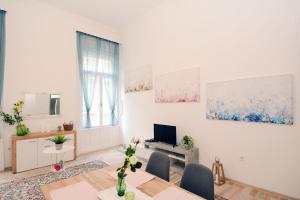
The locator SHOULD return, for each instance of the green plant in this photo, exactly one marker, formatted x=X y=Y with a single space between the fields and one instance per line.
x=131 y=161
x=59 y=139
x=16 y=118
x=187 y=142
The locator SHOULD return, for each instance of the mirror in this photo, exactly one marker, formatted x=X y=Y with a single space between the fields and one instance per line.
x=41 y=104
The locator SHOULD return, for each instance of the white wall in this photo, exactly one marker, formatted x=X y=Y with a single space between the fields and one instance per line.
x=41 y=56
x=228 y=40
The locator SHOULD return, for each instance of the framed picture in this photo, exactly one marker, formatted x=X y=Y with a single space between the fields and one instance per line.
x=181 y=86
x=263 y=99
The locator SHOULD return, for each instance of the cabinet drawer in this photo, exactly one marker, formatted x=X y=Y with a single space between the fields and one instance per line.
x=44 y=159
x=26 y=154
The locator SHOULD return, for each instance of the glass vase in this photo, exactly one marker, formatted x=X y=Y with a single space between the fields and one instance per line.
x=121 y=187
x=21 y=130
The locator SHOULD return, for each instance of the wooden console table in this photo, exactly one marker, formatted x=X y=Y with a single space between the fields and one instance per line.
x=27 y=151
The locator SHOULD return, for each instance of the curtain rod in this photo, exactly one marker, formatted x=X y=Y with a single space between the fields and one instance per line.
x=96 y=37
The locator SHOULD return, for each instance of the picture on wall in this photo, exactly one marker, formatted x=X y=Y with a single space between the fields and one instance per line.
x=265 y=99
x=138 y=80
x=180 y=86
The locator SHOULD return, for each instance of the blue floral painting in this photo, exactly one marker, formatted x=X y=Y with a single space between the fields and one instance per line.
x=264 y=99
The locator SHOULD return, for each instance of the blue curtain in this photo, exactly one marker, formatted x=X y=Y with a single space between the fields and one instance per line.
x=111 y=82
x=2 y=53
x=98 y=58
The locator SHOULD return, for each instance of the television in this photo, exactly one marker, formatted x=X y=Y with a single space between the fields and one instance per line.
x=165 y=133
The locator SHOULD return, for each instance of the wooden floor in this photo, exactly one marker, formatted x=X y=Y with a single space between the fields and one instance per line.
x=234 y=190
x=231 y=190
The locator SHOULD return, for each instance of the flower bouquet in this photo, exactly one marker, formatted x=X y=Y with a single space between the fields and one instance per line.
x=131 y=162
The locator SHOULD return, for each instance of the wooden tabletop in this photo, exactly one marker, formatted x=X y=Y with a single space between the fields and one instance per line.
x=101 y=180
x=35 y=135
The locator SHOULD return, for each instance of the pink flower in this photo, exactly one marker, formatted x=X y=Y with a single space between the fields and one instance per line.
x=57 y=167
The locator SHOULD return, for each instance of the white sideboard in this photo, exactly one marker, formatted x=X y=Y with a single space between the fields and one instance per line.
x=28 y=150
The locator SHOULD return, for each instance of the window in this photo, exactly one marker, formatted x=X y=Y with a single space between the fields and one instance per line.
x=99 y=73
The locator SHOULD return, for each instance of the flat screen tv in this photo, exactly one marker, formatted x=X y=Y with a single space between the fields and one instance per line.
x=165 y=133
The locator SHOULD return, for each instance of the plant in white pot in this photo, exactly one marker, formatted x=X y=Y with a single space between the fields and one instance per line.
x=59 y=141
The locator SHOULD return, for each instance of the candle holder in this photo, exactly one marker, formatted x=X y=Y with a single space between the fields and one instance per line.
x=218 y=172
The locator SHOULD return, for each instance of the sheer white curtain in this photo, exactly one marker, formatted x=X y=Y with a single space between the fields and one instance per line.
x=88 y=59
x=111 y=80
x=99 y=72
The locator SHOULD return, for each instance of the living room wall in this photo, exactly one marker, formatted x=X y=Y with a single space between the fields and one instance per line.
x=41 y=56
x=227 y=40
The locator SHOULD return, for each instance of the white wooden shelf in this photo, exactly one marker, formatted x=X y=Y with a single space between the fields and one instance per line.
x=177 y=153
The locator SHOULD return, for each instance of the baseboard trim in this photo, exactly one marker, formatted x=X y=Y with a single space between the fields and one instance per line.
x=101 y=149
x=7 y=168
x=262 y=189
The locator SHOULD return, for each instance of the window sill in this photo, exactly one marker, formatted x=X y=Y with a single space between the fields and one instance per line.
x=100 y=127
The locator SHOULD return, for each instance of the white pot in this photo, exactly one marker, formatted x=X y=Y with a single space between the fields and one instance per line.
x=58 y=146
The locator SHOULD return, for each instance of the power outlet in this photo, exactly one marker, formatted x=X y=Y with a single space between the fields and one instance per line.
x=241 y=158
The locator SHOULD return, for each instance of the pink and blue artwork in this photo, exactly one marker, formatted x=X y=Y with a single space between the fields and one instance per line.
x=264 y=99
x=178 y=87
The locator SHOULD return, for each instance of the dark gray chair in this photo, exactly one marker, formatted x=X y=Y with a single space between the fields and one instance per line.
x=199 y=180
x=159 y=165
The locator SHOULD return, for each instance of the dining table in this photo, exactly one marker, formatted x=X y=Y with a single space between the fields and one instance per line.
x=102 y=179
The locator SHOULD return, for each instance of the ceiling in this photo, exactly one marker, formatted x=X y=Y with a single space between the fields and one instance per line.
x=115 y=13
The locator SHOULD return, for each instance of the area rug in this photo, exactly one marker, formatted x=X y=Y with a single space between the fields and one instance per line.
x=29 y=188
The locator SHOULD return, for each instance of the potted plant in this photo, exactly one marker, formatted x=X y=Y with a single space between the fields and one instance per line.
x=59 y=140
x=187 y=142
x=131 y=163
x=16 y=118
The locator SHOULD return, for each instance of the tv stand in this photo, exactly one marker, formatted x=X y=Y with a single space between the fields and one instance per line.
x=175 y=152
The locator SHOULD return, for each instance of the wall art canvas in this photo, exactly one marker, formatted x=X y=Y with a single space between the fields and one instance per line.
x=264 y=99
x=180 y=86
x=138 y=80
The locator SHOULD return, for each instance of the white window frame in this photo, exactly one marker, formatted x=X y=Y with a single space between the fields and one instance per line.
x=100 y=76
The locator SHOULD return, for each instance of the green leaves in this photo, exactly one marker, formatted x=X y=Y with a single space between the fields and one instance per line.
x=7 y=118
x=138 y=165
x=130 y=151
x=16 y=117
x=130 y=160
x=132 y=168
x=59 y=139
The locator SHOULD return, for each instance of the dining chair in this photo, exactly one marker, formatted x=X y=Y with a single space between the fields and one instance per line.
x=199 y=180
x=159 y=165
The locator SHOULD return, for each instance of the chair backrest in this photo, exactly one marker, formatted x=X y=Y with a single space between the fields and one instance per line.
x=159 y=165
x=199 y=180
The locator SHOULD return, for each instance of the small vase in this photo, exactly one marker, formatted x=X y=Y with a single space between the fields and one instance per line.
x=22 y=130
x=58 y=146
x=121 y=186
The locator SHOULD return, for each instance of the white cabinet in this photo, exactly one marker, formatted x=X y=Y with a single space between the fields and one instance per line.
x=27 y=151
x=44 y=159
x=26 y=154
x=49 y=159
